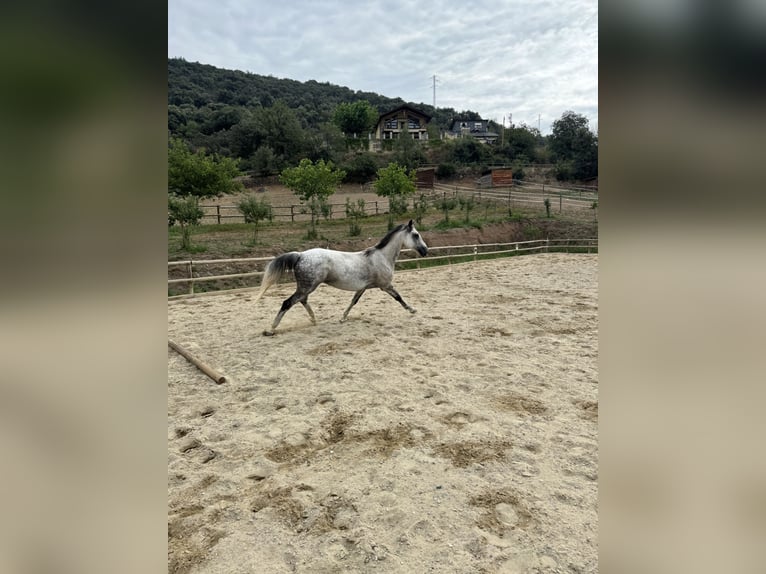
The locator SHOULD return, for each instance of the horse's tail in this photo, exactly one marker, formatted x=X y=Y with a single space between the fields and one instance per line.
x=276 y=268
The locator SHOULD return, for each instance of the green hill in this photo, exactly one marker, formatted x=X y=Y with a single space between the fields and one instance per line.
x=214 y=98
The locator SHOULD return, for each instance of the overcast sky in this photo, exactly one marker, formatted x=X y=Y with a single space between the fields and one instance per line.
x=497 y=58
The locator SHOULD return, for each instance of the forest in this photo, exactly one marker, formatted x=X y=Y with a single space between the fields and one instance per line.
x=269 y=124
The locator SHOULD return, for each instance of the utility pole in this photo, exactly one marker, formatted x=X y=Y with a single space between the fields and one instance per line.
x=538 y=122
x=502 y=133
x=434 y=78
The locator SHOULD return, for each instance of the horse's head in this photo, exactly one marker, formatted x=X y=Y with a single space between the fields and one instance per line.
x=413 y=240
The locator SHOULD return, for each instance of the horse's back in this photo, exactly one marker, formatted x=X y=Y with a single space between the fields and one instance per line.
x=341 y=269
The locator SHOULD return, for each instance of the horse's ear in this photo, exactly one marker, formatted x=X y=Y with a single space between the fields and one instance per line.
x=410 y=224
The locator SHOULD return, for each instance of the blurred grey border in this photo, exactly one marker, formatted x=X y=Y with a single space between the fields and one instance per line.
x=682 y=484
x=83 y=108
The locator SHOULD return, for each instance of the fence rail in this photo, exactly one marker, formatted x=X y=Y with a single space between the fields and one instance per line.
x=231 y=214
x=520 y=192
x=407 y=260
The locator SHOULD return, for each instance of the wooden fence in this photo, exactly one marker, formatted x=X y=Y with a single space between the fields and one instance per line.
x=231 y=214
x=522 y=192
x=407 y=260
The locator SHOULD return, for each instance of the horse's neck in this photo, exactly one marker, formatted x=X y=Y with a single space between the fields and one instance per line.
x=391 y=251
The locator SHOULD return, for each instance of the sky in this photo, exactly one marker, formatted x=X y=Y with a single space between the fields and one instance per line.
x=520 y=61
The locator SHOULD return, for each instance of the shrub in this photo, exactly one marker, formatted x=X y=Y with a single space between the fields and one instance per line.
x=355 y=212
x=446 y=170
x=255 y=210
x=186 y=211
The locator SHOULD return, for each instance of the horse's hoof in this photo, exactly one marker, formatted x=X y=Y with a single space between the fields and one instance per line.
x=412 y=311
x=269 y=333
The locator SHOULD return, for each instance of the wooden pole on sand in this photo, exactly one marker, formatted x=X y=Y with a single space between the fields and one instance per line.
x=210 y=372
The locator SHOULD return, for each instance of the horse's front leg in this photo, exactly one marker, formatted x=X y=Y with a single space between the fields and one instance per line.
x=391 y=291
x=310 y=310
x=356 y=298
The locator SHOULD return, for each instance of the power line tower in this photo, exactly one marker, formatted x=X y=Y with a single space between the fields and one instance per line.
x=434 y=86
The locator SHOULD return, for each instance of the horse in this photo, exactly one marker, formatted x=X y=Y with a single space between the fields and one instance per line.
x=350 y=271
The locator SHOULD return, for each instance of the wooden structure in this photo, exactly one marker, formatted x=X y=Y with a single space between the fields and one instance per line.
x=502 y=177
x=424 y=178
x=497 y=177
x=204 y=367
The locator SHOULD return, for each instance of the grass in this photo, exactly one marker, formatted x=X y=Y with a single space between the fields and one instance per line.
x=234 y=240
x=459 y=224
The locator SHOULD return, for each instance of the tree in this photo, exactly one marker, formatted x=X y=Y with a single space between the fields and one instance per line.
x=467 y=204
x=407 y=151
x=279 y=128
x=361 y=168
x=395 y=183
x=186 y=211
x=354 y=213
x=520 y=141
x=355 y=118
x=264 y=162
x=468 y=151
x=324 y=142
x=420 y=206
x=255 y=210
x=199 y=175
x=313 y=183
x=574 y=147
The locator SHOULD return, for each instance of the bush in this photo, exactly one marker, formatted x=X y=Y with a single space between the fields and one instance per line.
x=255 y=210
x=361 y=168
x=564 y=171
x=446 y=170
x=467 y=204
x=420 y=205
x=446 y=204
x=187 y=212
x=355 y=212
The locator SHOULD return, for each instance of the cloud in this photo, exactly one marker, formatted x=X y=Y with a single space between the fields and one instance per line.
x=525 y=58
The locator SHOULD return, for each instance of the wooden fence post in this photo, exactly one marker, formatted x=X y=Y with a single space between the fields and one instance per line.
x=559 y=202
x=191 y=278
x=292 y=213
x=218 y=213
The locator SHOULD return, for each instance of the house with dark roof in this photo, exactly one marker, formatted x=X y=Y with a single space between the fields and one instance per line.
x=477 y=129
x=404 y=121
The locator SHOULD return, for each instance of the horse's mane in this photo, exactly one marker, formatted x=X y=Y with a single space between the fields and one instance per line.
x=386 y=238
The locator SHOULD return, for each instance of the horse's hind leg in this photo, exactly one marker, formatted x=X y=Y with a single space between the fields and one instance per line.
x=391 y=291
x=286 y=305
x=356 y=298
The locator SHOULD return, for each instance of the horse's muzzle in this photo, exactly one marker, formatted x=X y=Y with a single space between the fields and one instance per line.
x=422 y=250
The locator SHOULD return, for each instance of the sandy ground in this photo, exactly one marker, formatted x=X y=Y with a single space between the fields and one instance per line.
x=459 y=439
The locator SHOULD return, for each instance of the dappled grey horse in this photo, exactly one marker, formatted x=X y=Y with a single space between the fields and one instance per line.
x=358 y=271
